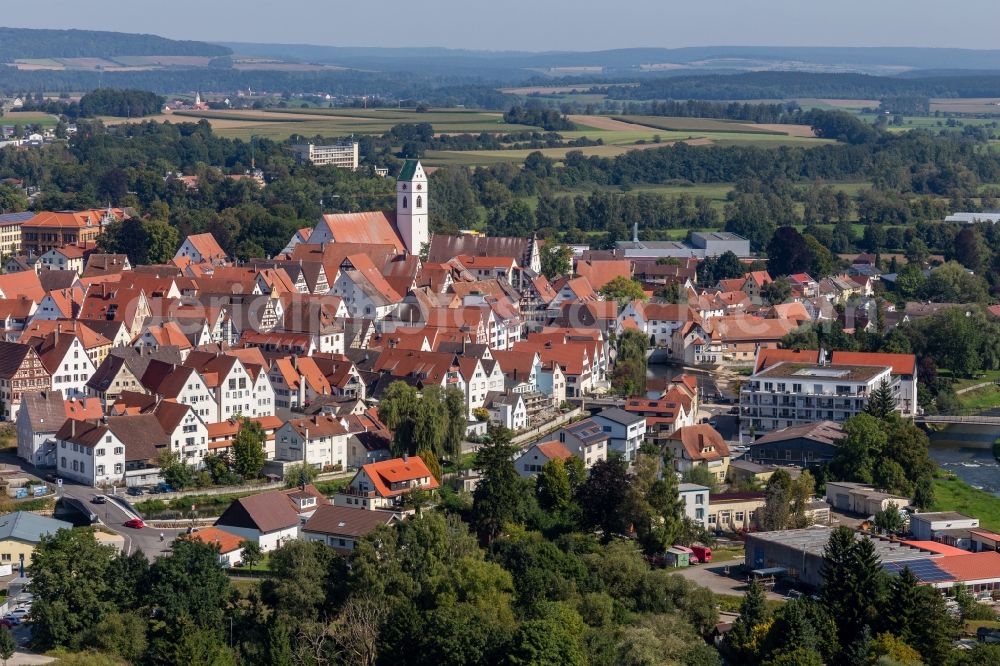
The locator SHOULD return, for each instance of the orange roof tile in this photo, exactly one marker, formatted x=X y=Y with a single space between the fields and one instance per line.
x=377 y=228
x=936 y=547
x=971 y=566
x=768 y=357
x=553 y=450
x=901 y=364
x=600 y=272
x=227 y=542
x=207 y=246
x=701 y=442
x=396 y=470
x=23 y=283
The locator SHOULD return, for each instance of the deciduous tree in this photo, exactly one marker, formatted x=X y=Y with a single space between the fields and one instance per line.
x=248 y=449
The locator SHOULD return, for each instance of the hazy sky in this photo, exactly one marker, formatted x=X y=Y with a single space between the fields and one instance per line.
x=537 y=25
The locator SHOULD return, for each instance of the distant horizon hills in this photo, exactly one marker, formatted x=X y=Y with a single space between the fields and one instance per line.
x=651 y=60
x=33 y=44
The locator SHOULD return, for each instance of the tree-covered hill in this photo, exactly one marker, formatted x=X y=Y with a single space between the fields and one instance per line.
x=31 y=43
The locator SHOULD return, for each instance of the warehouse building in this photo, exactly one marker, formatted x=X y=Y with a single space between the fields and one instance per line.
x=798 y=555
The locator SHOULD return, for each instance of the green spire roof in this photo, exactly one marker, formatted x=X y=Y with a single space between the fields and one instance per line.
x=409 y=169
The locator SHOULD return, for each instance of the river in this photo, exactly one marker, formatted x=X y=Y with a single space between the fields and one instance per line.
x=967 y=451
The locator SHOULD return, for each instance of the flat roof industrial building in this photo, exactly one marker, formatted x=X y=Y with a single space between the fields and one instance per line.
x=800 y=554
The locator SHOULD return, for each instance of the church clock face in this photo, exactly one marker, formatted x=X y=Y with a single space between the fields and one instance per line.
x=419 y=186
x=404 y=186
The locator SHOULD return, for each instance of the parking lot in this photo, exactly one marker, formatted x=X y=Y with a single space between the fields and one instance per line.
x=725 y=578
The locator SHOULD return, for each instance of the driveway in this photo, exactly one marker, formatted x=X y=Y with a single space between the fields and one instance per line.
x=721 y=578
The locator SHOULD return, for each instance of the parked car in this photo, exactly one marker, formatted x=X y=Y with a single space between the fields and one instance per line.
x=51 y=477
x=713 y=422
x=13 y=621
x=99 y=499
x=6 y=622
x=135 y=523
x=135 y=491
x=163 y=488
x=19 y=615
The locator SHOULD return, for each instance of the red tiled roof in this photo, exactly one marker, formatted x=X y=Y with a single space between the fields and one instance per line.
x=600 y=272
x=696 y=438
x=70 y=220
x=23 y=283
x=768 y=357
x=377 y=228
x=794 y=311
x=901 y=364
x=936 y=547
x=227 y=542
x=207 y=246
x=760 y=277
x=553 y=450
x=398 y=470
x=971 y=566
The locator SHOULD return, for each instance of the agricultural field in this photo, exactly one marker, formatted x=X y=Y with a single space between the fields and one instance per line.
x=279 y=124
x=29 y=118
x=696 y=124
x=618 y=134
x=967 y=105
x=717 y=193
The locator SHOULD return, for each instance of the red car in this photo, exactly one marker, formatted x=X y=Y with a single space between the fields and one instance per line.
x=135 y=523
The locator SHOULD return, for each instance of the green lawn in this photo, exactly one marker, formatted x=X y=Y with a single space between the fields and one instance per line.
x=263 y=566
x=953 y=494
x=988 y=376
x=984 y=398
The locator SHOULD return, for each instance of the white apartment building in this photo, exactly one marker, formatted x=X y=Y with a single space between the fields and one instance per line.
x=319 y=441
x=89 y=453
x=340 y=155
x=71 y=369
x=790 y=394
x=695 y=499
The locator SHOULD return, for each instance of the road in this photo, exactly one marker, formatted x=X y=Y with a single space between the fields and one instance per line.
x=110 y=514
x=113 y=517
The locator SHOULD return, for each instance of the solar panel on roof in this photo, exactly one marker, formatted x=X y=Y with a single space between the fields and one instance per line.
x=16 y=217
x=925 y=570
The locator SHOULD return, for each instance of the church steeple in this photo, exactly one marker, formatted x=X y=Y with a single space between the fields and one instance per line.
x=411 y=206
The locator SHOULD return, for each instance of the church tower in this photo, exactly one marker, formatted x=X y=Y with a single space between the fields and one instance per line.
x=411 y=206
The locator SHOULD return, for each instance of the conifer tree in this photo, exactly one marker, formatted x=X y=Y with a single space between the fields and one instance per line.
x=739 y=642
x=881 y=404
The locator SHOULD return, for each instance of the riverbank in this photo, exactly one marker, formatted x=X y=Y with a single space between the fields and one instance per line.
x=953 y=494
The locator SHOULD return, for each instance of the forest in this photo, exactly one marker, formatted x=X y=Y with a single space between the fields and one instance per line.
x=34 y=43
x=790 y=85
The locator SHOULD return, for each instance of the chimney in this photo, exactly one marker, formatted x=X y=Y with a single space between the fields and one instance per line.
x=635 y=232
x=406 y=457
x=72 y=427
